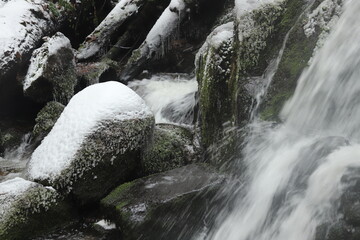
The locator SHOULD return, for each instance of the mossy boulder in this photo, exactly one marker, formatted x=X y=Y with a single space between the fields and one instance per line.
x=28 y=209
x=305 y=38
x=95 y=144
x=159 y=206
x=51 y=74
x=170 y=147
x=46 y=119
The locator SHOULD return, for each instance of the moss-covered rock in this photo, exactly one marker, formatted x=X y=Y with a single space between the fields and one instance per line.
x=92 y=73
x=171 y=147
x=158 y=206
x=306 y=36
x=225 y=64
x=46 y=119
x=51 y=74
x=28 y=209
x=95 y=144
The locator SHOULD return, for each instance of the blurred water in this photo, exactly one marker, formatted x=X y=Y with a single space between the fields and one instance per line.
x=293 y=171
x=170 y=96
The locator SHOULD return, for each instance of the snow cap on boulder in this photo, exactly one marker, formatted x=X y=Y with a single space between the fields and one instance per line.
x=98 y=128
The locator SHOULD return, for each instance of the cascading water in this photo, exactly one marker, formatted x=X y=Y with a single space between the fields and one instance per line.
x=170 y=96
x=294 y=171
x=14 y=160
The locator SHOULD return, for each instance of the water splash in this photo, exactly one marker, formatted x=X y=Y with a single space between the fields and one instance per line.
x=171 y=97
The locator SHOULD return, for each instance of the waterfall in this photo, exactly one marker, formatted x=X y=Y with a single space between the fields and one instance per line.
x=293 y=178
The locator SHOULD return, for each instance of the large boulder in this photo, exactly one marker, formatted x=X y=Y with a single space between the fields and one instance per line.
x=160 y=206
x=28 y=209
x=96 y=142
x=171 y=147
x=51 y=74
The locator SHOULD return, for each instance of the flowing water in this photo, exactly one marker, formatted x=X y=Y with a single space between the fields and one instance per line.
x=170 y=96
x=14 y=160
x=294 y=172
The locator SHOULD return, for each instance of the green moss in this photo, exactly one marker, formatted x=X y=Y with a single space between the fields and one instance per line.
x=53 y=9
x=298 y=51
x=46 y=118
x=38 y=211
x=118 y=193
x=168 y=149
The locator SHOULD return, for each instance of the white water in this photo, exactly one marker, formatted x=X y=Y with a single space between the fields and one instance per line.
x=14 y=160
x=294 y=171
x=171 y=97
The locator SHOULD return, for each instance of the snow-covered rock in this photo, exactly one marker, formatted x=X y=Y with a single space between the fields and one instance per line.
x=101 y=36
x=95 y=143
x=21 y=29
x=51 y=74
x=28 y=209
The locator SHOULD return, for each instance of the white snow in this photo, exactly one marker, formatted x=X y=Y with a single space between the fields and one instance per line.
x=324 y=17
x=244 y=6
x=165 y=25
x=10 y=191
x=85 y=111
x=40 y=56
x=20 y=28
x=123 y=10
x=218 y=36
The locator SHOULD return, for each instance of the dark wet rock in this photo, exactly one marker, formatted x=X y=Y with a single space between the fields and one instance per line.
x=10 y=139
x=170 y=147
x=46 y=119
x=157 y=206
x=51 y=74
x=28 y=209
x=91 y=73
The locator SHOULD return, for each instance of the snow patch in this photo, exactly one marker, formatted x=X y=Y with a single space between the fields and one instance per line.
x=82 y=116
x=243 y=7
x=97 y=39
x=324 y=17
x=165 y=25
x=12 y=190
x=20 y=28
x=106 y=225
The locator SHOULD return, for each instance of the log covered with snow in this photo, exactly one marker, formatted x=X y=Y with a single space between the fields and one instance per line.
x=96 y=142
x=51 y=74
x=156 y=39
x=23 y=24
x=99 y=39
x=28 y=209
